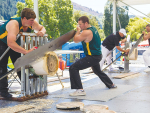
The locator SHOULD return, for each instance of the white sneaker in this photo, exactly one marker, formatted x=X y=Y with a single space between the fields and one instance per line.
x=147 y=70
x=78 y=93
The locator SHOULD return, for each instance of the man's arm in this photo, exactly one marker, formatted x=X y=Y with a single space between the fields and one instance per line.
x=120 y=49
x=85 y=35
x=41 y=30
x=124 y=40
x=13 y=29
x=146 y=36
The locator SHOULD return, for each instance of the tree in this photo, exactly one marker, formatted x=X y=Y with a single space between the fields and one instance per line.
x=64 y=14
x=107 y=27
x=108 y=18
x=136 y=26
x=7 y=8
x=55 y=21
x=92 y=19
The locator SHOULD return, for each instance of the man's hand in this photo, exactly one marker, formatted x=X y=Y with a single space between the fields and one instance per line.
x=127 y=50
x=30 y=50
x=143 y=32
x=78 y=28
x=40 y=33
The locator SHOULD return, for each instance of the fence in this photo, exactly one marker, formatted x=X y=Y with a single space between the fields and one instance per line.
x=32 y=86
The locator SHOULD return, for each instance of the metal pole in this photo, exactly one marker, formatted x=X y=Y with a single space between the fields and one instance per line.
x=23 y=83
x=45 y=77
x=126 y=61
x=114 y=24
x=36 y=10
x=32 y=81
x=27 y=70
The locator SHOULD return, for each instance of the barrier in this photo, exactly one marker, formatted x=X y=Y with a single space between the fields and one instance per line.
x=32 y=86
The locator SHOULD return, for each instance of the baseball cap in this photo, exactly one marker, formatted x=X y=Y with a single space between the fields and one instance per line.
x=123 y=31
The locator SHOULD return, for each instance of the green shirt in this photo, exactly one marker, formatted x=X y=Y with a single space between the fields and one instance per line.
x=3 y=32
x=93 y=47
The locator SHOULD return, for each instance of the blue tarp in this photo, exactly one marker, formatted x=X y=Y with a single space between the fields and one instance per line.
x=76 y=46
x=72 y=57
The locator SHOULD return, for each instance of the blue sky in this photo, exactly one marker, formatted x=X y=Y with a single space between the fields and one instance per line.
x=98 y=5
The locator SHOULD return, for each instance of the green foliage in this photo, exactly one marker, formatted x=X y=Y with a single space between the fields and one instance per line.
x=64 y=14
x=20 y=7
x=136 y=26
x=7 y=9
x=108 y=18
x=48 y=18
x=92 y=19
x=55 y=15
x=107 y=27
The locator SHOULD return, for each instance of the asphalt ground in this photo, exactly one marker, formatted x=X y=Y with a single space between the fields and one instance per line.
x=136 y=100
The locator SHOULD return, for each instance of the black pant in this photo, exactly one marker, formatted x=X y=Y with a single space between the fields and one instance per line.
x=88 y=61
x=3 y=64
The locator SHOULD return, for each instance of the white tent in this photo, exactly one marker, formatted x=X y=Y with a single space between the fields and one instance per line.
x=133 y=2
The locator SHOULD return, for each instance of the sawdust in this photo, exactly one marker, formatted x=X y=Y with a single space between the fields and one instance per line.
x=17 y=108
x=96 y=108
x=29 y=106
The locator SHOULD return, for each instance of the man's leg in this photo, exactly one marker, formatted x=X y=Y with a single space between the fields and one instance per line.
x=14 y=56
x=146 y=56
x=83 y=63
x=3 y=70
x=105 y=79
x=105 y=52
x=108 y=59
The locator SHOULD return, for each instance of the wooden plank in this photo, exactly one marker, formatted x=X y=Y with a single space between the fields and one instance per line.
x=125 y=75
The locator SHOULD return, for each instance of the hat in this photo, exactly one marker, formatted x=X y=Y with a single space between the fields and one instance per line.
x=123 y=31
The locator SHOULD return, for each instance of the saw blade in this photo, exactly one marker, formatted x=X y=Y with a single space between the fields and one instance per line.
x=42 y=50
x=136 y=44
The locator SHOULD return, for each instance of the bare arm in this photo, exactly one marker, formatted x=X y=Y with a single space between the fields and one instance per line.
x=41 y=30
x=120 y=49
x=124 y=40
x=146 y=36
x=13 y=29
x=85 y=35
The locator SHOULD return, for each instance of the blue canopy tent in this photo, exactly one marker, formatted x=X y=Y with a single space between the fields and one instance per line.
x=71 y=58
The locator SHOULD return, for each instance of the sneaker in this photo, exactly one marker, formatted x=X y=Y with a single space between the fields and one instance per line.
x=78 y=93
x=6 y=95
x=147 y=70
x=113 y=86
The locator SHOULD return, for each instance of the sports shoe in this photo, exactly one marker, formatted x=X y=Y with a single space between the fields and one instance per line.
x=78 y=93
x=6 y=95
x=147 y=70
x=113 y=86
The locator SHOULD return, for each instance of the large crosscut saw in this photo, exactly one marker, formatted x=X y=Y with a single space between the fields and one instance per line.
x=42 y=50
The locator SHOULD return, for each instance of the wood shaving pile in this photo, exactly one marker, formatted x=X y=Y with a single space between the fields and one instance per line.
x=17 y=108
x=30 y=106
